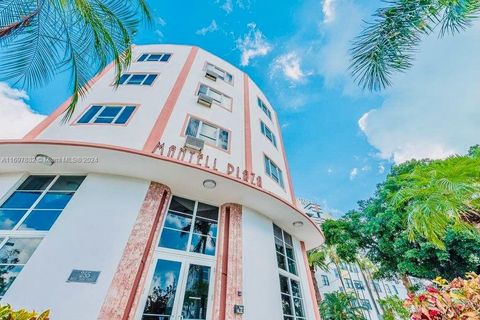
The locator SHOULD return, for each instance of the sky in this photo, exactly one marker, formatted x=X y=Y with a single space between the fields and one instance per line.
x=340 y=140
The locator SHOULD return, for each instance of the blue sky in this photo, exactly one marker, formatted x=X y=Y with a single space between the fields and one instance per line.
x=340 y=141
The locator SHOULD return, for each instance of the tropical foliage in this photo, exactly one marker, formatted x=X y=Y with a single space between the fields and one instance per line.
x=388 y=43
x=340 y=306
x=394 y=309
x=399 y=229
x=457 y=300
x=7 y=313
x=41 y=38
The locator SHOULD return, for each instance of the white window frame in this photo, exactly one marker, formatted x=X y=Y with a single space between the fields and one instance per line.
x=268 y=133
x=325 y=280
x=218 y=142
x=222 y=74
x=149 y=54
x=263 y=106
x=96 y=115
x=225 y=102
x=273 y=166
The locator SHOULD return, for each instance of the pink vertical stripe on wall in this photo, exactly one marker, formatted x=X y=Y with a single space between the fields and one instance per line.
x=247 y=124
x=289 y=178
x=310 y=282
x=162 y=120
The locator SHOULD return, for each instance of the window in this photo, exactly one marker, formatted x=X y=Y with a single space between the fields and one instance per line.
x=268 y=133
x=218 y=97
x=349 y=283
x=220 y=73
x=325 y=280
x=387 y=288
x=377 y=286
x=366 y=304
x=264 y=107
x=395 y=289
x=141 y=79
x=107 y=114
x=358 y=285
x=353 y=268
x=207 y=132
x=290 y=290
x=162 y=57
x=273 y=171
x=190 y=226
x=336 y=273
x=32 y=209
x=284 y=248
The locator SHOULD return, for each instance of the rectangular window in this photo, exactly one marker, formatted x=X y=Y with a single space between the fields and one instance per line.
x=219 y=73
x=107 y=114
x=358 y=285
x=34 y=207
x=387 y=288
x=349 y=283
x=366 y=304
x=209 y=133
x=336 y=273
x=190 y=226
x=377 y=286
x=139 y=79
x=325 y=280
x=395 y=289
x=218 y=97
x=273 y=171
x=264 y=108
x=155 y=57
x=353 y=268
x=290 y=290
x=268 y=133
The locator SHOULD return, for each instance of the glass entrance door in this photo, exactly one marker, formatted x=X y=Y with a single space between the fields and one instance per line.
x=180 y=289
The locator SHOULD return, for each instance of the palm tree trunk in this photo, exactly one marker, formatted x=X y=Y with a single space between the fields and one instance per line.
x=340 y=277
x=357 y=295
x=376 y=291
x=318 y=295
x=407 y=283
x=367 y=284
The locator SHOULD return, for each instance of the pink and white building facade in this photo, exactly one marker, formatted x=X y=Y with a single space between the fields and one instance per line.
x=166 y=197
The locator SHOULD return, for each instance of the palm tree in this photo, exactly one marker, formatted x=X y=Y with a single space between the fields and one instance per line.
x=339 y=306
x=317 y=259
x=388 y=44
x=365 y=266
x=40 y=38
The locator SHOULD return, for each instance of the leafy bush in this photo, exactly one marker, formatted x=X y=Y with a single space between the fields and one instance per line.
x=457 y=300
x=394 y=309
x=340 y=306
x=7 y=313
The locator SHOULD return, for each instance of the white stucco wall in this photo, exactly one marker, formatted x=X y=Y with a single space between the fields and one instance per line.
x=90 y=234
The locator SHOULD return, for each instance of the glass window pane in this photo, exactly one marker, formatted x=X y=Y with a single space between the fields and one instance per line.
x=289 y=252
x=277 y=231
x=292 y=267
x=281 y=261
x=54 y=200
x=207 y=211
x=165 y=57
x=182 y=205
x=196 y=293
x=87 y=116
x=7 y=275
x=136 y=79
x=298 y=307
x=286 y=305
x=205 y=227
x=40 y=220
x=124 y=78
x=203 y=244
x=284 y=285
x=103 y=120
x=68 y=183
x=154 y=57
x=161 y=296
x=21 y=200
x=18 y=250
x=125 y=115
x=9 y=218
x=150 y=79
x=209 y=132
x=279 y=245
x=192 y=128
x=295 y=288
x=223 y=137
x=110 y=112
x=178 y=221
x=143 y=57
x=174 y=239
x=203 y=89
x=36 y=183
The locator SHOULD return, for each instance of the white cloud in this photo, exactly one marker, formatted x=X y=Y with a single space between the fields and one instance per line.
x=161 y=21
x=381 y=168
x=353 y=173
x=328 y=9
x=290 y=65
x=253 y=44
x=432 y=110
x=16 y=117
x=212 y=27
x=227 y=6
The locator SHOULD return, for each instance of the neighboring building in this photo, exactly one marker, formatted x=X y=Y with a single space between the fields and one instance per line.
x=355 y=280
x=168 y=197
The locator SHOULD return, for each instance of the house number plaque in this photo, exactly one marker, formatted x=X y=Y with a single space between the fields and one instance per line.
x=83 y=276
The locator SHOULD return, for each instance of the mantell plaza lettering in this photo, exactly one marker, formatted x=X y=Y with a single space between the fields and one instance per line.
x=191 y=156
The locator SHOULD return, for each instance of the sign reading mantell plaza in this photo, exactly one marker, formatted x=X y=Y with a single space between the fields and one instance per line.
x=205 y=161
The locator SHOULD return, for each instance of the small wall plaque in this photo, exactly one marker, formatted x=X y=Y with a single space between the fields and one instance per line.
x=83 y=276
x=238 y=309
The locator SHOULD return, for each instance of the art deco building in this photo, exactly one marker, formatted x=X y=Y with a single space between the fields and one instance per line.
x=168 y=197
